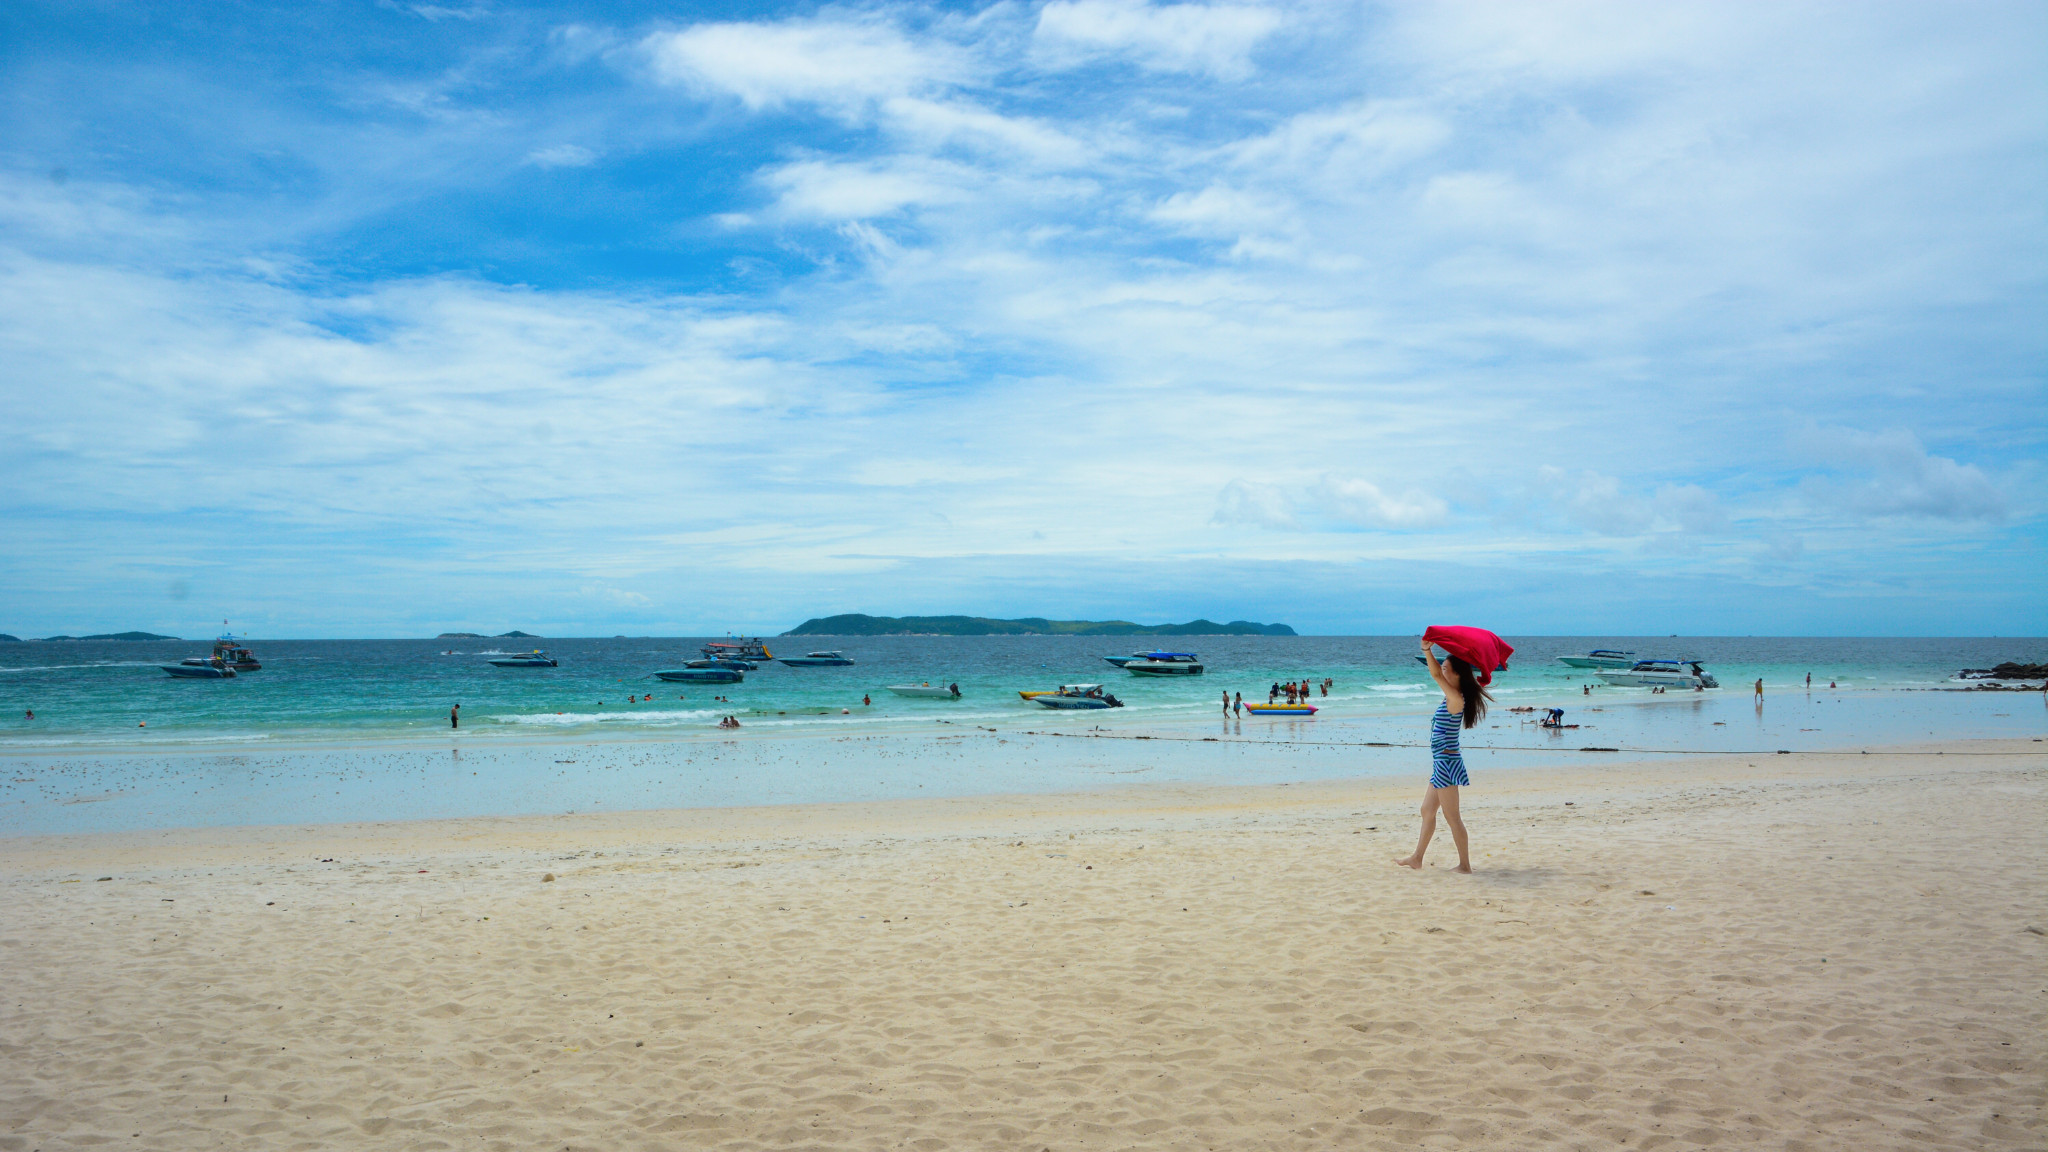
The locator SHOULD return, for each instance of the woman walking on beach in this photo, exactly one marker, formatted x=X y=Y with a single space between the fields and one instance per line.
x=1470 y=653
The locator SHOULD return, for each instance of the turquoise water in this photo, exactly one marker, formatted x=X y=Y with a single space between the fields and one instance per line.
x=109 y=695
x=335 y=731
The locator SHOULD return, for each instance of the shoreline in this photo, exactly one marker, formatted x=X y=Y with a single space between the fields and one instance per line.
x=758 y=822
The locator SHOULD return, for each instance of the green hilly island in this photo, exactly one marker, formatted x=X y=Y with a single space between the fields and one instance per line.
x=858 y=624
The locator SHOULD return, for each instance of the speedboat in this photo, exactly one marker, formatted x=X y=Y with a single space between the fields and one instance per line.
x=533 y=659
x=1078 y=696
x=926 y=691
x=752 y=650
x=1281 y=709
x=1599 y=658
x=199 y=668
x=1661 y=674
x=1120 y=661
x=1165 y=664
x=817 y=660
x=732 y=662
x=703 y=675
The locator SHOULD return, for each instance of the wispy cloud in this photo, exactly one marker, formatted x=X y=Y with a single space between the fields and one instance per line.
x=1215 y=39
x=842 y=65
x=562 y=156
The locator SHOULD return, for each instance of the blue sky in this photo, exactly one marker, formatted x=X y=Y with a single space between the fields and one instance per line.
x=349 y=318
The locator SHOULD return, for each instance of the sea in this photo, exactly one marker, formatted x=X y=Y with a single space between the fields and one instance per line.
x=116 y=743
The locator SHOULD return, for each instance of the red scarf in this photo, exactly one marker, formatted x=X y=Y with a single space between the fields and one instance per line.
x=1484 y=651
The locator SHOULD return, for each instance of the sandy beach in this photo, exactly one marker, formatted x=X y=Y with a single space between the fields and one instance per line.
x=1797 y=952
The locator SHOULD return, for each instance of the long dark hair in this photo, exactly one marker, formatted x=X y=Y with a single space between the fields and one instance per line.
x=1468 y=687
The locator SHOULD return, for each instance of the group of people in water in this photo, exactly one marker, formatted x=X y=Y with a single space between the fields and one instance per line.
x=1296 y=691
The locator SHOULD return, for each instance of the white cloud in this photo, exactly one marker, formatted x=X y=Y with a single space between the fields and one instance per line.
x=1245 y=504
x=1599 y=503
x=822 y=190
x=1691 y=508
x=562 y=156
x=1365 y=504
x=935 y=124
x=1899 y=477
x=842 y=65
x=1216 y=39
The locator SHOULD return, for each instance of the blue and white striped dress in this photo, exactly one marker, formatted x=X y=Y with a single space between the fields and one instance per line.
x=1446 y=766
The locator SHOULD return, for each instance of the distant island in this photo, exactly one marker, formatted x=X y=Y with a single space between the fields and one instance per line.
x=108 y=636
x=515 y=634
x=6 y=639
x=857 y=624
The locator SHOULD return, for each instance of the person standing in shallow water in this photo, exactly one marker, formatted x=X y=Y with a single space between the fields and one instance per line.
x=1464 y=701
x=455 y=716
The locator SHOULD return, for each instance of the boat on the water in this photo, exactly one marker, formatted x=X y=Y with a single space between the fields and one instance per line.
x=534 y=659
x=1120 y=661
x=817 y=660
x=229 y=651
x=927 y=691
x=198 y=668
x=751 y=650
x=732 y=662
x=1165 y=664
x=1661 y=674
x=1599 y=658
x=690 y=675
x=1281 y=709
x=1073 y=697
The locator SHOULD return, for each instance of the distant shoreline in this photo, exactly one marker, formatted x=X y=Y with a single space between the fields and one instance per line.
x=861 y=624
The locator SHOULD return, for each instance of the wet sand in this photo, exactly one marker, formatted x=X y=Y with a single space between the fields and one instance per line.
x=1793 y=952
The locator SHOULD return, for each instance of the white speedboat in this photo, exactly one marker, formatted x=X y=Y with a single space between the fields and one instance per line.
x=1661 y=674
x=817 y=660
x=1599 y=658
x=1074 y=697
x=1120 y=661
x=1165 y=664
x=710 y=675
x=533 y=659
x=927 y=691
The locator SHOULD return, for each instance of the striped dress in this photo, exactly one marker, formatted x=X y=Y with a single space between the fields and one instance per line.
x=1446 y=766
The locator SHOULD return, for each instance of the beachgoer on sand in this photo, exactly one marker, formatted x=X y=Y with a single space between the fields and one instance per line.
x=1471 y=656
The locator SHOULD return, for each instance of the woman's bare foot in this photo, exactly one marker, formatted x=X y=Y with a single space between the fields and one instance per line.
x=1410 y=862
x=1465 y=868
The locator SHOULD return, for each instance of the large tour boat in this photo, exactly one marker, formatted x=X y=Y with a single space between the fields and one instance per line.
x=1661 y=674
x=1165 y=664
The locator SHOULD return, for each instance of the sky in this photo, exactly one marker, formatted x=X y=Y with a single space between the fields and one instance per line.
x=346 y=318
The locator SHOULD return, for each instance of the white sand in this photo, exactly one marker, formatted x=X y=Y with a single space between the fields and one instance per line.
x=1815 y=952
